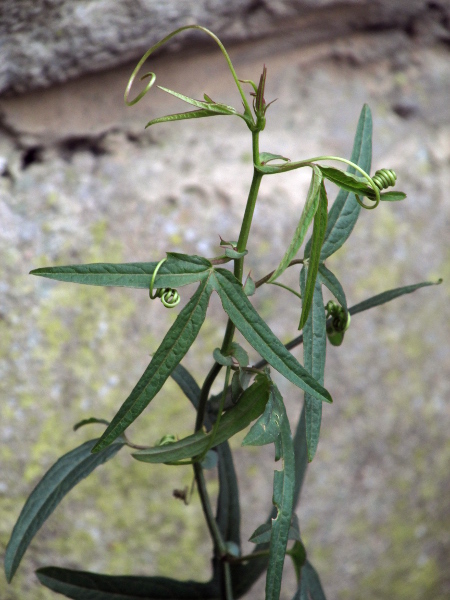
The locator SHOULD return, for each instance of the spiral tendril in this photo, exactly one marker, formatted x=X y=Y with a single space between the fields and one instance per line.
x=169 y=296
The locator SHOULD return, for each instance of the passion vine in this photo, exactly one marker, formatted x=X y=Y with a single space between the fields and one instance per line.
x=249 y=394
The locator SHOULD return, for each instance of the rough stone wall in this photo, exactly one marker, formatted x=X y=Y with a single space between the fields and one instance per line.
x=49 y=41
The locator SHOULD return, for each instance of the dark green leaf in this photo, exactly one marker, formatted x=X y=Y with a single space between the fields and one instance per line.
x=176 y=271
x=346 y=181
x=345 y=209
x=262 y=534
x=210 y=461
x=267 y=427
x=191 y=114
x=332 y=283
x=310 y=586
x=69 y=470
x=388 y=296
x=314 y=350
x=301 y=454
x=283 y=494
x=392 y=196
x=260 y=337
x=174 y=346
x=298 y=555
x=265 y=157
x=187 y=384
x=239 y=354
x=249 y=408
x=320 y=225
x=228 y=517
x=88 y=422
x=82 y=585
x=309 y=210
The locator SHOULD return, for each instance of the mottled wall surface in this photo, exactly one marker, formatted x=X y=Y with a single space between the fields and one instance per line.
x=83 y=182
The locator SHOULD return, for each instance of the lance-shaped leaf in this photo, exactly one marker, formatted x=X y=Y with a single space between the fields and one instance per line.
x=69 y=470
x=176 y=271
x=228 y=516
x=301 y=454
x=83 y=585
x=214 y=107
x=347 y=181
x=392 y=196
x=314 y=350
x=187 y=383
x=262 y=534
x=309 y=210
x=345 y=210
x=250 y=406
x=330 y=280
x=388 y=296
x=174 y=346
x=320 y=225
x=260 y=337
x=191 y=114
x=310 y=586
x=265 y=157
x=283 y=485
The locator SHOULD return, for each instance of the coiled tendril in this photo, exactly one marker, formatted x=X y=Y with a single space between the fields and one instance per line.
x=383 y=179
x=169 y=297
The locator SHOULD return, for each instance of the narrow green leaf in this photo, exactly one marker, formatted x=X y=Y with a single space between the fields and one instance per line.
x=388 y=296
x=176 y=271
x=283 y=487
x=310 y=586
x=250 y=406
x=301 y=454
x=89 y=422
x=262 y=534
x=320 y=225
x=346 y=181
x=69 y=470
x=187 y=383
x=298 y=555
x=345 y=210
x=239 y=354
x=220 y=109
x=191 y=114
x=332 y=283
x=174 y=346
x=392 y=196
x=283 y=495
x=309 y=210
x=267 y=427
x=83 y=585
x=314 y=350
x=210 y=461
x=260 y=337
x=228 y=516
x=265 y=157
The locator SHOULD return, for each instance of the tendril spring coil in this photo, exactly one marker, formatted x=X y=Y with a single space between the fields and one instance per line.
x=383 y=179
x=169 y=296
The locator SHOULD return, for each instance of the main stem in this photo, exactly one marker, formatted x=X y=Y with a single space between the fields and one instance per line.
x=219 y=543
x=238 y=273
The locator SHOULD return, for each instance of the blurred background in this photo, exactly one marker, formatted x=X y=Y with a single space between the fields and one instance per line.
x=81 y=181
